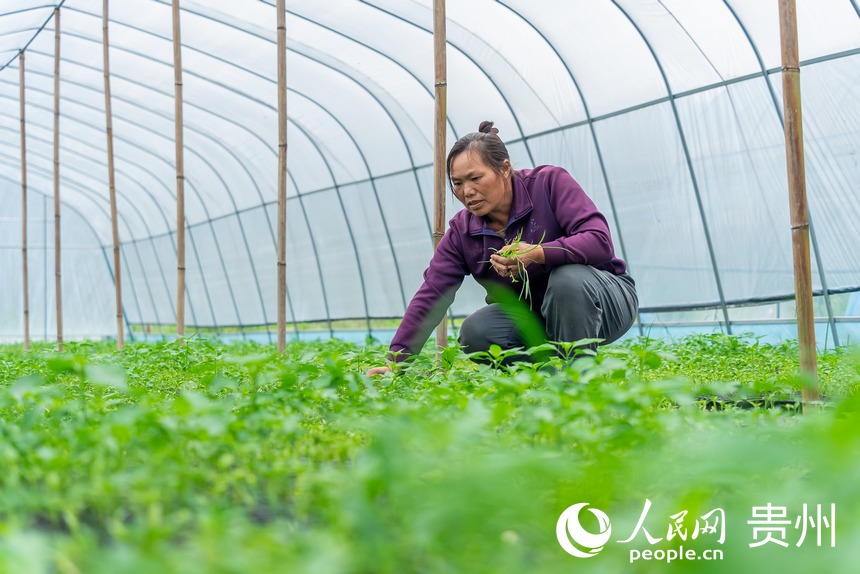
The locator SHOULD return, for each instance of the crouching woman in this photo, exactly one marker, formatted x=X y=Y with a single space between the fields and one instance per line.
x=577 y=287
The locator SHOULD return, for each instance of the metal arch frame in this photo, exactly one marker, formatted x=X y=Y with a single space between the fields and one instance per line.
x=820 y=264
x=342 y=72
x=193 y=188
x=112 y=274
x=126 y=261
x=319 y=62
x=382 y=107
x=146 y=191
x=205 y=135
x=19 y=31
x=765 y=75
x=856 y=8
x=228 y=88
x=373 y=187
x=679 y=95
x=593 y=137
x=151 y=110
x=379 y=205
x=394 y=258
x=215 y=172
x=478 y=66
x=91 y=145
x=30 y=9
x=358 y=262
x=38 y=31
x=358 y=148
x=375 y=51
x=690 y=167
x=496 y=52
x=395 y=123
x=100 y=247
x=263 y=202
x=312 y=237
x=143 y=188
x=66 y=149
x=85 y=193
x=163 y=277
x=72 y=168
x=406 y=146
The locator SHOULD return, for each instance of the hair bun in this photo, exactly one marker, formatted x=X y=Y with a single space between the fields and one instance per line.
x=487 y=128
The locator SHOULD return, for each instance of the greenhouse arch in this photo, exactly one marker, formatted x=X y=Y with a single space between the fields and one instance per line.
x=668 y=112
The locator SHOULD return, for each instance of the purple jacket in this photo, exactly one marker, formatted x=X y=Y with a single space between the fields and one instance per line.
x=545 y=199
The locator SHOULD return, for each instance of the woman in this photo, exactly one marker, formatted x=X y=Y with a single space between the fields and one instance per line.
x=577 y=286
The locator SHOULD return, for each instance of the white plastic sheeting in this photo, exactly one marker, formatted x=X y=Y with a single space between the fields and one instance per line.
x=668 y=112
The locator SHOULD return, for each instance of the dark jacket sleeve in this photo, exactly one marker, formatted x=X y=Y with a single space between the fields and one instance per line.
x=430 y=303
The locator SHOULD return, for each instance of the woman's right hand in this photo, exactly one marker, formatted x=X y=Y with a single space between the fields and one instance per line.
x=378 y=371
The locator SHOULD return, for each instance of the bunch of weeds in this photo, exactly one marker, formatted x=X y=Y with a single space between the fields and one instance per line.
x=511 y=250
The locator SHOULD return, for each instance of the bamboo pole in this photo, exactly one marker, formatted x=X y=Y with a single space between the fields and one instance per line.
x=180 y=176
x=439 y=133
x=282 y=176
x=120 y=331
x=57 y=252
x=25 y=271
x=797 y=198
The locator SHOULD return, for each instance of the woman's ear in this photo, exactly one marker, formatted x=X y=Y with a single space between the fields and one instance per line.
x=506 y=168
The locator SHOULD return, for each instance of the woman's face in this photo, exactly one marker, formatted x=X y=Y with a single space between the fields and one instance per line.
x=481 y=189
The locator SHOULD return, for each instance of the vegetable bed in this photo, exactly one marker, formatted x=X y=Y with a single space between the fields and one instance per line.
x=199 y=457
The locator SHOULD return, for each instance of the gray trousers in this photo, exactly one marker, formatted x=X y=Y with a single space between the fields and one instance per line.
x=581 y=302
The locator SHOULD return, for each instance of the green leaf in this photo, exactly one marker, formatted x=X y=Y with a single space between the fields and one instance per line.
x=63 y=365
x=25 y=386
x=112 y=376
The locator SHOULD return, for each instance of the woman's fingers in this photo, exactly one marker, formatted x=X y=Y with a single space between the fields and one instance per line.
x=504 y=266
x=377 y=371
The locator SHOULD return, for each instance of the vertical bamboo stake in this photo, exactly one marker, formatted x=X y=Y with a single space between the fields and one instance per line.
x=24 y=205
x=180 y=176
x=439 y=133
x=797 y=197
x=120 y=332
x=57 y=270
x=282 y=176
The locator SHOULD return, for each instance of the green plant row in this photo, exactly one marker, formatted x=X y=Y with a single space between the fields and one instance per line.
x=194 y=457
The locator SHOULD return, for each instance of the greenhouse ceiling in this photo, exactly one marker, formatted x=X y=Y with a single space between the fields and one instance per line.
x=668 y=112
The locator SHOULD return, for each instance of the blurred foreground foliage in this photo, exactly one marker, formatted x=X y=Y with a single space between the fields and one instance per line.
x=198 y=457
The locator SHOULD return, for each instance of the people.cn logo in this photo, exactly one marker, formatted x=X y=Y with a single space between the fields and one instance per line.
x=575 y=540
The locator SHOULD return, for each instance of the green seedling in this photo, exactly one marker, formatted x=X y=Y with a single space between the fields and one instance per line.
x=164 y=455
x=511 y=250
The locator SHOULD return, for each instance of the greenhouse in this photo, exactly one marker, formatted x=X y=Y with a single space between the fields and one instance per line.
x=186 y=183
x=669 y=114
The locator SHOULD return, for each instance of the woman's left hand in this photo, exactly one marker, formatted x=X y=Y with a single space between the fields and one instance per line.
x=526 y=255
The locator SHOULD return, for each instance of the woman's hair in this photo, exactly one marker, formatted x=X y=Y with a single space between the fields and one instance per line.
x=486 y=143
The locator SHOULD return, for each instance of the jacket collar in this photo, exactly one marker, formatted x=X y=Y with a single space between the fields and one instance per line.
x=521 y=206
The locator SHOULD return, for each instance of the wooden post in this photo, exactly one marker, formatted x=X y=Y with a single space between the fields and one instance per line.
x=439 y=144
x=180 y=176
x=120 y=331
x=797 y=198
x=24 y=204
x=282 y=176
x=57 y=252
